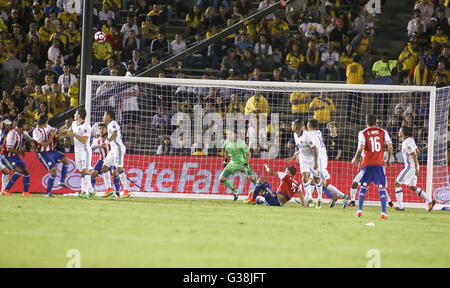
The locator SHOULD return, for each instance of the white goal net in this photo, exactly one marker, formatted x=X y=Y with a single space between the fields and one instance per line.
x=174 y=129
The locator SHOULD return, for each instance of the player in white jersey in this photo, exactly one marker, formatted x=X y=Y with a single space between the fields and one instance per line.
x=81 y=133
x=116 y=155
x=308 y=156
x=408 y=176
x=100 y=144
x=320 y=178
x=3 y=168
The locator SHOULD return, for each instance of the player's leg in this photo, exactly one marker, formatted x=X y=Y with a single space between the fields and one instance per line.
x=116 y=180
x=64 y=167
x=309 y=188
x=251 y=199
x=108 y=163
x=119 y=163
x=26 y=181
x=422 y=194
x=379 y=179
x=229 y=170
x=5 y=174
x=356 y=182
x=6 y=186
x=318 y=183
x=399 y=194
x=383 y=201
x=51 y=181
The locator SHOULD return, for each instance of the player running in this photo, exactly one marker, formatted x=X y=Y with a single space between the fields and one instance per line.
x=116 y=155
x=372 y=140
x=320 y=178
x=409 y=174
x=11 y=149
x=45 y=137
x=99 y=143
x=81 y=133
x=288 y=186
x=240 y=156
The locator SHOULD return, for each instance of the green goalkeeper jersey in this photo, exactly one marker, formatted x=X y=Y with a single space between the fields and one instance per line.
x=237 y=151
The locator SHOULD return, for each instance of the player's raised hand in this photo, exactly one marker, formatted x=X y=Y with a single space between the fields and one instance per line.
x=267 y=168
x=354 y=162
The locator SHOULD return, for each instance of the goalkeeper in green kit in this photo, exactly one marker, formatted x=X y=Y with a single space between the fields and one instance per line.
x=240 y=161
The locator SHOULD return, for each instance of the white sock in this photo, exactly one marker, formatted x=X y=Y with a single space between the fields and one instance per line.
x=107 y=179
x=5 y=179
x=353 y=193
x=335 y=191
x=123 y=180
x=319 y=190
x=307 y=192
x=422 y=194
x=83 y=184
x=399 y=196
x=388 y=198
x=87 y=183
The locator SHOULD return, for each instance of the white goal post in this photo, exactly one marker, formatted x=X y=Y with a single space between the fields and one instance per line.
x=192 y=164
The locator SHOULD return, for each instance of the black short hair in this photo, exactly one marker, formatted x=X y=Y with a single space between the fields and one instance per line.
x=371 y=119
x=111 y=114
x=102 y=125
x=21 y=122
x=82 y=112
x=313 y=123
x=407 y=131
x=42 y=119
x=292 y=170
x=299 y=123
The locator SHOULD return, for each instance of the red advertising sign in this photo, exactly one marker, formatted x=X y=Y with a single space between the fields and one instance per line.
x=201 y=175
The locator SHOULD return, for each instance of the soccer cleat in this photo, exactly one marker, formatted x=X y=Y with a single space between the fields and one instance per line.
x=108 y=192
x=236 y=195
x=92 y=195
x=49 y=195
x=117 y=194
x=351 y=204
x=431 y=205
x=319 y=204
x=345 y=199
x=311 y=203
x=83 y=195
x=126 y=194
x=27 y=194
x=391 y=205
x=63 y=184
x=333 y=201
x=250 y=199
x=399 y=209
x=358 y=213
x=6 y=192
x=384 y=216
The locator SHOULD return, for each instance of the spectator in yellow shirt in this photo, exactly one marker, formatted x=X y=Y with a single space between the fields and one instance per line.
x=323 y=109
x=279 y=30
x=46 y=31
x=38 y=96
x=407 y=60
x=300 y=105
x=194 y=20
x=355 y=75
x=74 y=93
x=149 y=31
x=439 y=37
x=257 y=104
x=56 y=99
x=66 y=17
x=355 y=72
x=295 y=60
x=102 y=52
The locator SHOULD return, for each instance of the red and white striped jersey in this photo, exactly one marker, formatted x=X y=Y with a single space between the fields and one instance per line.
x=98 y=144
x=42 y=134
x=14 y=139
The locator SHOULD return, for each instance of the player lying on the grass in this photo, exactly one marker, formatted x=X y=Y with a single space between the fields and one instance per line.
x=409 y=174
x=5 y=171
x=372 y=141
x=45 y=137
x=100 y=144
x=11 y=149
x=357 y=182
x=322 y=175
x=81 y=133
x=287 y=188
x=116 y=155
x=240 y=157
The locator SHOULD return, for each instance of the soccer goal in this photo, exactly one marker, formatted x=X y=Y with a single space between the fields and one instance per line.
x=174 y=129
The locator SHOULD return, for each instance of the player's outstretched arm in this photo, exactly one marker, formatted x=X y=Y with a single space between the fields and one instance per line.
x=390 y=150
x=225 y=161
x=302 y=198
x=293 y=157
x=270 y=171
x=357 y=155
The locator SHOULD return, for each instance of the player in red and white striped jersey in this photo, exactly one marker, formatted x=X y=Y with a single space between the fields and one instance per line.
x=11 y=149
x=4 y=170
x=46 y=139
x=104 y=148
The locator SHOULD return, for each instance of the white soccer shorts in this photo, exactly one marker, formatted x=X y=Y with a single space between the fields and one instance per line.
x=407 y=177
x=83 y=160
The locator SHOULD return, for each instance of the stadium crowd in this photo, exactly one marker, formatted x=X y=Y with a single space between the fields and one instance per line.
x=40 y=47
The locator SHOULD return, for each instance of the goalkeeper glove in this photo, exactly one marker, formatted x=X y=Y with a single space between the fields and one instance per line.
x=225 y=162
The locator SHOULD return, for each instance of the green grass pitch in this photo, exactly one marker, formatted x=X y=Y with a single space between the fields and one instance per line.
x=145 y=232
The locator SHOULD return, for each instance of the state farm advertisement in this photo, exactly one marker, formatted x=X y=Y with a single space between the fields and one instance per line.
x=201 y=175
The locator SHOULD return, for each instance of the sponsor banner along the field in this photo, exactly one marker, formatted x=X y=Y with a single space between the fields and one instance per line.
x=201 y=175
